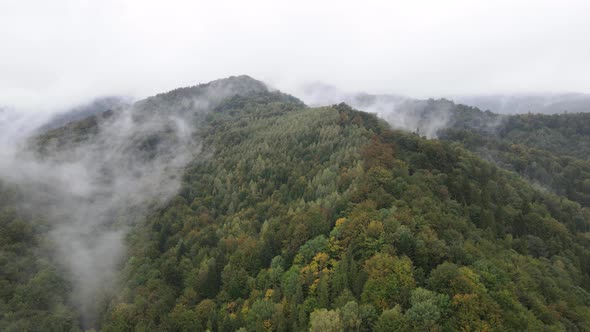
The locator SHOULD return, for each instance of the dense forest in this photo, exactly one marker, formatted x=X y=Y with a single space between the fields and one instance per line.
x=551 y=151
x=292 y=218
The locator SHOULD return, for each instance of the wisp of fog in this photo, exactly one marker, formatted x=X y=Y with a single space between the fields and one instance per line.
x=93 y=179
x=420 y=116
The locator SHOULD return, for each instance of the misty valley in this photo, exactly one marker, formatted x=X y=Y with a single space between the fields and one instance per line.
x=232 y=206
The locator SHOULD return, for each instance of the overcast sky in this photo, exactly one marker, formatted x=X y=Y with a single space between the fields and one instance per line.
x=56 y=53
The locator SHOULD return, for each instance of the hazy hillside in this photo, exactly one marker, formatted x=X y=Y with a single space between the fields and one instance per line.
x=425 y=117
x=522 y=104
x=227 y=206
x=94 y=107
x=551 y=151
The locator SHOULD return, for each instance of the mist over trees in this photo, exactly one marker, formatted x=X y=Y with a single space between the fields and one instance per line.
x=228 y=206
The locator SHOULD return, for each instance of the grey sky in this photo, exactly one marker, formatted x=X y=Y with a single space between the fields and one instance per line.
x=59 y=53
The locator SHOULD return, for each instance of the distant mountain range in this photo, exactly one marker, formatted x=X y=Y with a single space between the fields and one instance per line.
x=535 y=103
x=318 y=93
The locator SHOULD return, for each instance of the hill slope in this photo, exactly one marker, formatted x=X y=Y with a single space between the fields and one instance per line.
x=323 y=217
x=549 y=150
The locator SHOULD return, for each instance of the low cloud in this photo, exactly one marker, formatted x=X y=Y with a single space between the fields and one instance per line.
x=92 y=180
x=425 y=117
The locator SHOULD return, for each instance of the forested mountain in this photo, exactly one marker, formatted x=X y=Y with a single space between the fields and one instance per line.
x=275 y=216
x=551 y=151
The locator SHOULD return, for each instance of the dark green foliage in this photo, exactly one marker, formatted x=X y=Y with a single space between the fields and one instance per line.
x=550 y=150
x=562 y=134
x=33 y=293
